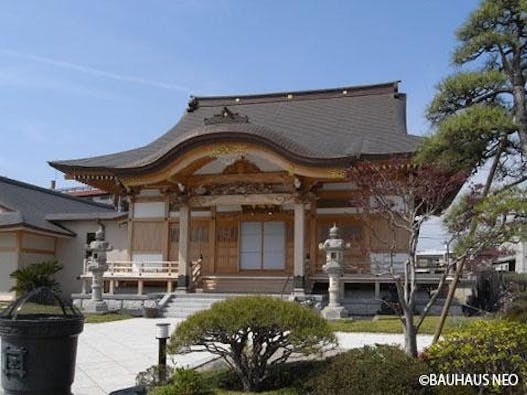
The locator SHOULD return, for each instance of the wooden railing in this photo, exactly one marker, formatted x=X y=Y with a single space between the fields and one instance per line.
x=140 y=269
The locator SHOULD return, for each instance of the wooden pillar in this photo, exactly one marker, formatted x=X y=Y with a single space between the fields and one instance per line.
x=184 y=268
x=131 y=214
x=313 y=241
x=377 y=290
x=212 y=240
x=169 y=286
x=299 y=253
x=111 y=288
x=166 y=239
x=140 y=287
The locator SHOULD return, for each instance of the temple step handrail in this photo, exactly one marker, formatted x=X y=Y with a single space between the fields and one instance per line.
x=196 y=272
x=285 y=286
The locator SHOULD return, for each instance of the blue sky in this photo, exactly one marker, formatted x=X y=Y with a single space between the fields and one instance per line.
x=85 y=78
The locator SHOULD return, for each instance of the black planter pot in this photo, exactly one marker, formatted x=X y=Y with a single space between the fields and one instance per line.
x=39 y=352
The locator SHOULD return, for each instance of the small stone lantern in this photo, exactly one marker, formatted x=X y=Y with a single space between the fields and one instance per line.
x=334 y=248
x=97 y=265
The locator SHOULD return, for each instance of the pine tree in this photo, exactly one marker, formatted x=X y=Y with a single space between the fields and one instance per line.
x=480 y=116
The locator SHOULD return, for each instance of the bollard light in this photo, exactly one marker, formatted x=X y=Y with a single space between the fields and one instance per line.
x=162 y=330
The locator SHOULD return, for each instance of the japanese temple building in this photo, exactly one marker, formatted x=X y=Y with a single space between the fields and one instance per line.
x=239 y=193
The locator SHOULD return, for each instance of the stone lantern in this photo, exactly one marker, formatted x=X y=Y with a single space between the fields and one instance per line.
x=97 y=265
x=334 y=248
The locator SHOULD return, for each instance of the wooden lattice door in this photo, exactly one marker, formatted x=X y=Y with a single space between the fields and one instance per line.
x=226 y=246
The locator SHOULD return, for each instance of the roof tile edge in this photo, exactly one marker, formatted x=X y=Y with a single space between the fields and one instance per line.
x=346 y=91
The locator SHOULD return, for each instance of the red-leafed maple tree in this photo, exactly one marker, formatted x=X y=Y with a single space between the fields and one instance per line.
x=405 y=195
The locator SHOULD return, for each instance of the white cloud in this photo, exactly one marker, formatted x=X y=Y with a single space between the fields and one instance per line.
x=93 y=71
x=25 y=79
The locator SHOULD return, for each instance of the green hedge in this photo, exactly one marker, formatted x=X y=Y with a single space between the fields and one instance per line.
x=484 y=347
x=184 y=382
x=380 y=369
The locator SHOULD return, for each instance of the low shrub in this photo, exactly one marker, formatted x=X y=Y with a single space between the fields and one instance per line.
x=379 y=369
x=223 y=378
x=517 y=281
x=517 y=309
x=486 y=291
x=288 y=377
x=484 y=347
x=190 y=382
x=184 y=382
x=163 y=390
x=36 y=275
x=150 y=377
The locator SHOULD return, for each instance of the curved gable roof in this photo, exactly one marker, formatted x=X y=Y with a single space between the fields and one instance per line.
x=310 y=126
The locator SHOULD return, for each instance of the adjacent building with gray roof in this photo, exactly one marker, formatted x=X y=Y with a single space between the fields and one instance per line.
x=38 y=224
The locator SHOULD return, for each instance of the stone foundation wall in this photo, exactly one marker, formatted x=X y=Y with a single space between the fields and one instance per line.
x=131 y=304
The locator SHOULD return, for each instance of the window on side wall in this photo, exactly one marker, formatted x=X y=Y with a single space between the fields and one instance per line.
x=90 y=236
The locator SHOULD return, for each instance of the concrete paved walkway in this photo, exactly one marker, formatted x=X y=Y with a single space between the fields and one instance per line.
x=111 y=354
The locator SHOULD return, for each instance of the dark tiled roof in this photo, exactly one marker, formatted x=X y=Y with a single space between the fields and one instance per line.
x=86 y=216
x=310 y=126
x=28 y=205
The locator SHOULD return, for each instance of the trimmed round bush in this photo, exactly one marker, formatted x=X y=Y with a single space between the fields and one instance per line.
x=253 y=334
x=379 y=369
x=485 y=346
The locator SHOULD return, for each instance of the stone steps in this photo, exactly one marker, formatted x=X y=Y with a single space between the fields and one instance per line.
x=184 y=305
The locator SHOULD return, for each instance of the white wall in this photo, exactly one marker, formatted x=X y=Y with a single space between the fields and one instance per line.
x=7 y=240
x=38 y=242
x=70 y=251
x=521 y=257
x=11 y=259
x=149 y=210
x=8 y=264
x=27 y=259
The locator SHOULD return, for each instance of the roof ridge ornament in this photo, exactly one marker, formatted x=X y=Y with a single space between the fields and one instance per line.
x=226 y=116
x=193 y=104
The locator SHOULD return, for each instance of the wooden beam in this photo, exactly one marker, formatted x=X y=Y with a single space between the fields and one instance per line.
x=278 y=177
x=185 y=162
x=264 y=198
x=338 y=194
x=195 y=166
